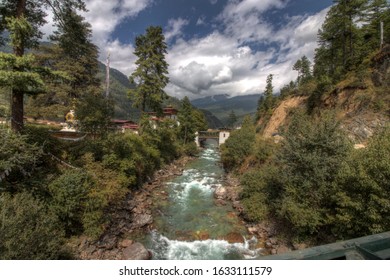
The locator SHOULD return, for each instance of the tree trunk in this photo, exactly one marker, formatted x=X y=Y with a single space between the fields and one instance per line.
x=17 y=96
x=17 y=111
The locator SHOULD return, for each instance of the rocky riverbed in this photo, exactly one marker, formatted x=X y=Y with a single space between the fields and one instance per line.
x=131 y=217
x=134 y=217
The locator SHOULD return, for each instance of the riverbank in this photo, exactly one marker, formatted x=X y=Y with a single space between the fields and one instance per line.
x=265 y=232
x=133 y=216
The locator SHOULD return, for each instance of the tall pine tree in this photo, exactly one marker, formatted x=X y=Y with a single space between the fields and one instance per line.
x=151 y=75
x=340 y=39
x=22 y=19
x=266 y=101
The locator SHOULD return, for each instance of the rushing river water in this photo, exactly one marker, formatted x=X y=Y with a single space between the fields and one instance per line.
x=189 y=224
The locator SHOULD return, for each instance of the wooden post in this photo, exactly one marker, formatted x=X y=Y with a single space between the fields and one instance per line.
x=381 y=34
x=108 y=76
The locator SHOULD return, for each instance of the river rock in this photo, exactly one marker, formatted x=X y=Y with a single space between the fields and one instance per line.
x=268 y=245
x=283 y=249
x=142 y=220
x=201 y=235
x=220 y=202
x=136 y=251
x=238 y=207
x=234 y=237
x=220 y=192
x=126 y=243
x=252 y=230
x=299 y=246
x=273 y=241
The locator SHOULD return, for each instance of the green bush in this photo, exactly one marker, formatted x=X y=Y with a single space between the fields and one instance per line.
x=310 y=159
x=239 y=145
x=190 y=149
x=137 y=152
x=264 y=150
x=69 y=194
x=18 y=158
x=28 y=230
x=363 y=204
x=107 y=188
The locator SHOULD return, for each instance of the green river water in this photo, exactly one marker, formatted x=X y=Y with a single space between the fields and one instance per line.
x=189 y=224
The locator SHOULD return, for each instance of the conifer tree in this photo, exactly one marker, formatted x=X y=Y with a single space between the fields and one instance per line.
x=266 y=101
x=79 y=56
x=340 y=39
x=186 y=119
x=151 y=75
x=232 y=119
x=303 y=67
x=22 y=19
x=377 y=11
x=72 y=53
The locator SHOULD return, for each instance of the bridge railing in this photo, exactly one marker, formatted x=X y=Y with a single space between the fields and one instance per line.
x=208 y=134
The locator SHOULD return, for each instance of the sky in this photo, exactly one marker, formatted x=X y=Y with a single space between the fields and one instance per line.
x=214 y=46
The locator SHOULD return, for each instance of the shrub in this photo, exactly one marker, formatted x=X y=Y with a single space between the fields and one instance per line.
x=69 y=194
x=311 y=156
x=239 y=145
x=261 y=190
x=18 y=158
x=27 y=229
x=107 y=188
x=190 y=149
x=264 y=150
x=363 y=204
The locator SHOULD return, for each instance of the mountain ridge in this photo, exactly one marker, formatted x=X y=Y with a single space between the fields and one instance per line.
x=222 y=105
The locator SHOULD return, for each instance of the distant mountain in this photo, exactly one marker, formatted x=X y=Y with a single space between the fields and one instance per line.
x=206 y=101
x=222 y=105
x=212 y=120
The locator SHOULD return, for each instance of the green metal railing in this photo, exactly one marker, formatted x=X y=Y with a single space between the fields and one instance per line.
x=372 y=247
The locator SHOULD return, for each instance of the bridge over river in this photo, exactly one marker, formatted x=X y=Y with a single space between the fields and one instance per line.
x=220 y=135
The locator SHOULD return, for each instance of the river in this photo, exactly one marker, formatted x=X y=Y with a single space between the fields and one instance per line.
x=190 y=225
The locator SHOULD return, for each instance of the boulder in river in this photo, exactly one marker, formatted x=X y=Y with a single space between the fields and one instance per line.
x=136 y=251
x=220 y=192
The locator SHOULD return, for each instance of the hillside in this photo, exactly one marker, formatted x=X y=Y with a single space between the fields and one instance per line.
x=280 y=115
x=119 y=86
x=222 y=105
x=315 y=166
x=362 y=106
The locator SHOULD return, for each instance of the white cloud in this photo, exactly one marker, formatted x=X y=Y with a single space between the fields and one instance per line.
x=300 y=36
x=213 y=2
x=121 y=56
x=224 y=62
x=104 y=16
x=244 y=20
x=175 y=28
x=237 y=8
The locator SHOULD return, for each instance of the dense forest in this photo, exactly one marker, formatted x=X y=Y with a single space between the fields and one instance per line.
x=52 y=190
x=303 y=175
